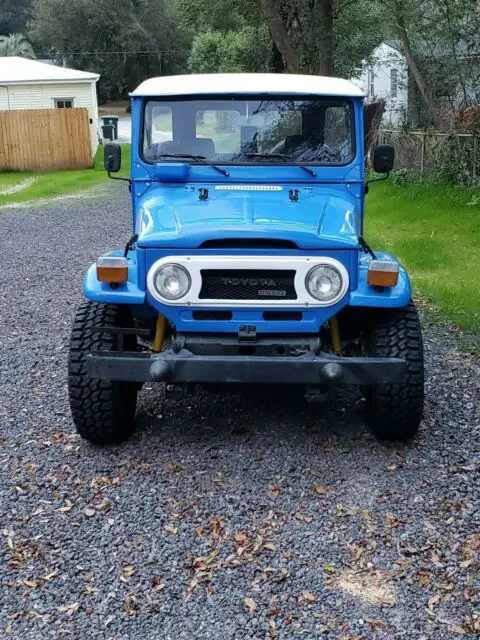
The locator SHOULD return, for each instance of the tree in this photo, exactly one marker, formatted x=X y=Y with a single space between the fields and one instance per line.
x=322 y=36
x=16 y=44
x=124 y=41
x=14 y=16
x=247 y=49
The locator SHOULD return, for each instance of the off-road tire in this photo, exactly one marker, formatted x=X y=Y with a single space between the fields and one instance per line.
x=394 y=411
x=103 y=410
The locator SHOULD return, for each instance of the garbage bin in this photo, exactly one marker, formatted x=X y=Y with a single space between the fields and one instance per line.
x=108 y=131
x=113 y=121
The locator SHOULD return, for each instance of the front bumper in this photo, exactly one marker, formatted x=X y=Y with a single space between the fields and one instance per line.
x=186 y=367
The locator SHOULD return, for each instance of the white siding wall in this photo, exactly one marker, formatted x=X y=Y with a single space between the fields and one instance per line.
x=42 y=96
x=379 y=74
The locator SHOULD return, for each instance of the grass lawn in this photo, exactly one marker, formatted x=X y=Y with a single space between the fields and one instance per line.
x=57 y=183
x=435 y=231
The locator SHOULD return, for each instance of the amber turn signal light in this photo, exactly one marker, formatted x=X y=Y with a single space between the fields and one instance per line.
x=382 y=273
x=112 y=269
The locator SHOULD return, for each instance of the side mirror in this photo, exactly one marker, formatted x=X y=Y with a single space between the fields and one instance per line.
x=383 y=158
x=112 y=157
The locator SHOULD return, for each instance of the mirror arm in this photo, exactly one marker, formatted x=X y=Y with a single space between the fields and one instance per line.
x=116 y=178
x=385 y=177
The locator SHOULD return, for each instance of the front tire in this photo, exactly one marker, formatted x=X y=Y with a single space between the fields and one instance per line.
x=394 y=411
x=103 y=410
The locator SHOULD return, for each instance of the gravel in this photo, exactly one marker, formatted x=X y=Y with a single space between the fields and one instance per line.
x=225 y=516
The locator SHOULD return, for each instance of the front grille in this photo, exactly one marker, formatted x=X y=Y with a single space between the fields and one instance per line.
x=247 y=284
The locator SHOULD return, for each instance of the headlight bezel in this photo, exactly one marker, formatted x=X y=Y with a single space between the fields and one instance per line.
x=160 y=293
x=340 y=272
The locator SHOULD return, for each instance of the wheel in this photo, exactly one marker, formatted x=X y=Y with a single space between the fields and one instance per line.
x=394 y=411
x=103 y=410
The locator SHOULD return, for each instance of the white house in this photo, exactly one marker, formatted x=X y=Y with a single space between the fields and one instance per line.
x=30 y=84
x=385 y=76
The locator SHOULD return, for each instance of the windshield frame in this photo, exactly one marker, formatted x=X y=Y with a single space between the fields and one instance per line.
x=257 y=96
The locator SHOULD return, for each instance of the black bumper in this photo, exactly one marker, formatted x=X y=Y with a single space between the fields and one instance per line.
x=186 y=367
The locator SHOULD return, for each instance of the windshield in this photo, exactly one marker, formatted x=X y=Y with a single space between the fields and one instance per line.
x=253 y=131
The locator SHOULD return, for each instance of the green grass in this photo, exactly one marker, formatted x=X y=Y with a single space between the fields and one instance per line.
x=58 y=183
x=435 y=231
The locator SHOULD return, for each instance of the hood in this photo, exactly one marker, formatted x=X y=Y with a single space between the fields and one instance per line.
x=321 y=218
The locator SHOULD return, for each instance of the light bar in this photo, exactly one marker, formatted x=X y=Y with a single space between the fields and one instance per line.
x=112 y=269
x=382 y=273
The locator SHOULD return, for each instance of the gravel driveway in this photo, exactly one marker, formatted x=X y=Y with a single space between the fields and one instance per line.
x=225 y=516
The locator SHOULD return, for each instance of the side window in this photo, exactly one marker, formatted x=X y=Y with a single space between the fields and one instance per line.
x=63 y=103
x=393 y=83
x=221 y=127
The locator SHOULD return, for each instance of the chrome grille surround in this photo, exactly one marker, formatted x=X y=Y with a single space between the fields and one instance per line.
x=301 y=265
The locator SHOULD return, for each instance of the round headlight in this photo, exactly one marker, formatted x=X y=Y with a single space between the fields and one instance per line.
x=324 y=283
x=172 y=282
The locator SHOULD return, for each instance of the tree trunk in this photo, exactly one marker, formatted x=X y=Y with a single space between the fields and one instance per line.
x=411 y=62
x=323 y=19
x=279 y=35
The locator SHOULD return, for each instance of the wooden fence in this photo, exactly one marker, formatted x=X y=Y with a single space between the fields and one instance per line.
x=45 y=139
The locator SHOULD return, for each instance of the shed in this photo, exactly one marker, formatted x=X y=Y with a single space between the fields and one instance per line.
x=30 y=84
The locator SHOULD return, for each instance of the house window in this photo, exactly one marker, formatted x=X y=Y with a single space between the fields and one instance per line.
x=393 y=83
x=371 y=82
x=63 y=103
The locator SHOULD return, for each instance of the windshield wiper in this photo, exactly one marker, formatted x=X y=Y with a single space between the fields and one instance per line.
x=285 y=157
x=188 y=156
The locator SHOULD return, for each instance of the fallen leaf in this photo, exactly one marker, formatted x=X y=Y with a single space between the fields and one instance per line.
x=51 y=575
x=375 y=624
x=320 y=490
x=270 y=546
x=241 y=538
x=130 y=605
x=70 y=609
x=391 y=466
x=68 y=506
x=250 y=604
x=127 y=572
x=89 y=512
x=329 y=568
x=303 y=518
x=158 y=583
x=273 y=613
x=308 y=596
x=173 y=467
x=275 y=489
x=433 y=601
x=170 y=529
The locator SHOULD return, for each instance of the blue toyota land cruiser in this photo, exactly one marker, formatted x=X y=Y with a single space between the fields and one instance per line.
x=247 y=262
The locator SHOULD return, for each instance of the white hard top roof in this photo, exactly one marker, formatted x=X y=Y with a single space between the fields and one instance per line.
x=249 y=83
x=16 y=70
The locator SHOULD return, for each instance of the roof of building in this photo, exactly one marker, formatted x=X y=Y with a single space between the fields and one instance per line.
x=394 y=44
x=17 y=70
x=249 y=83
